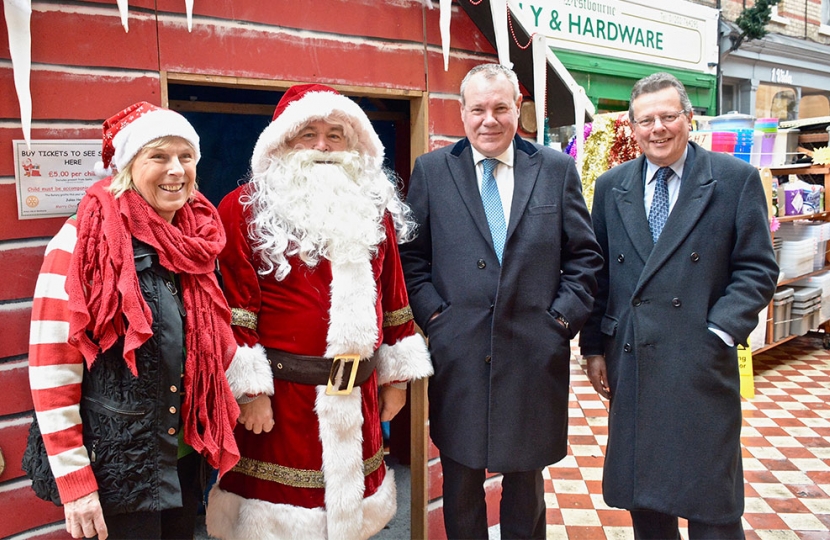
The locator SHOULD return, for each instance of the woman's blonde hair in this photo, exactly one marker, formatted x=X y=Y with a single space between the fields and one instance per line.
x=123 y=180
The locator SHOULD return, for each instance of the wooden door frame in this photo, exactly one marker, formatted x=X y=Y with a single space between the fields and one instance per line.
x=419 y=144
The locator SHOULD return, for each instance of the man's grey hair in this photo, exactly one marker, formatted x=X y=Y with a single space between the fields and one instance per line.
x=491 y=71
x=654 y=83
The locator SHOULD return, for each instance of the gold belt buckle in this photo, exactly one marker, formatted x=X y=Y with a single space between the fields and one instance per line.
x=335 y=365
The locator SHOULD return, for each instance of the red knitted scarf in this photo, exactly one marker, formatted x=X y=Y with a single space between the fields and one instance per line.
x=106 y=303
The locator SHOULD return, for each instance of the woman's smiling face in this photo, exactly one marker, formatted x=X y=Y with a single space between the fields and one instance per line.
x=165 y=176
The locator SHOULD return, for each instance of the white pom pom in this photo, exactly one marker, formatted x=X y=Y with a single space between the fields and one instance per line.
x=100 y=171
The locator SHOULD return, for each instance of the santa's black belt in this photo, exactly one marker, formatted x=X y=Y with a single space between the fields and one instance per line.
x=340 y=374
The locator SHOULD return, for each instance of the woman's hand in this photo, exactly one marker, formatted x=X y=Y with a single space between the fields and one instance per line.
x=84 y=517
x=390 y=402
x=257 y=415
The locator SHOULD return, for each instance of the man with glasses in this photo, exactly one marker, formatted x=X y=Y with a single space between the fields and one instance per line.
x=688 y=266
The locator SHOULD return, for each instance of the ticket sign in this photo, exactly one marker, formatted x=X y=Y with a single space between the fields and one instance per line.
x=53 y=175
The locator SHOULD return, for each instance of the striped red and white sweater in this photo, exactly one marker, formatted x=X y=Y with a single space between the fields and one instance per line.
x=56 y=371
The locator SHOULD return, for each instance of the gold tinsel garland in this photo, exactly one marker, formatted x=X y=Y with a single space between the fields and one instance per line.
x=595 y=159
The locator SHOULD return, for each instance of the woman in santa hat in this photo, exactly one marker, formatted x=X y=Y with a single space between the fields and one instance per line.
x=130 y=339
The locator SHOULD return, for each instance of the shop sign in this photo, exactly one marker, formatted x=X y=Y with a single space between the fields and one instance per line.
x=684 y=37
x=53 y=175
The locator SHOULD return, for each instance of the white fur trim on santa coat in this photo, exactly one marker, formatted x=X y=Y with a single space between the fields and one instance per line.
x=250 y=372
x=406 y=360
x=232 y=517
x=315 y=106
x=353 y=321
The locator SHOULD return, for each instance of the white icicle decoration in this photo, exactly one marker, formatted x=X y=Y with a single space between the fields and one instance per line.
x=444 y=25
x=18 y=24
x=188 y=7
x=498 y=9
x=123 y=9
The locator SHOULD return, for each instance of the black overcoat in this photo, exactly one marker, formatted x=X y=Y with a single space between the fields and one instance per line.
x=675 y=412
x=499 y=396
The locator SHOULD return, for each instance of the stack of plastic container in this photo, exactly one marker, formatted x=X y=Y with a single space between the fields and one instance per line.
x=724 y=141
x=782 y=303
x=765 y=134
x=805 y=310
x=743 y=144
x=797 y=257
x=818 y=231
x=821 y=281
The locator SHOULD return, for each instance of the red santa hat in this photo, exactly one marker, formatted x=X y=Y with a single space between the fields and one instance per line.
x=306 y=103
x=126 y=133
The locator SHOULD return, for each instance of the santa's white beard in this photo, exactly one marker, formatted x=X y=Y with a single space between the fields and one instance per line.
x=317 y=205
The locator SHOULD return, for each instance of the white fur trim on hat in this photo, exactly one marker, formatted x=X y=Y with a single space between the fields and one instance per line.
x=156 y=123
x=315 y=106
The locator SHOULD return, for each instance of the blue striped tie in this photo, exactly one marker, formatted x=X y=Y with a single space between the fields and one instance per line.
x=659 y=212
x=492 y=205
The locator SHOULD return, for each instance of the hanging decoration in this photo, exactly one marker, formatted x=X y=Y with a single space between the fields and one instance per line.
x=124 y=11
x=540 y=87
x=595 y=157
x=625 y=147
x=18 y=24
x=444 y=24
x=498 y=10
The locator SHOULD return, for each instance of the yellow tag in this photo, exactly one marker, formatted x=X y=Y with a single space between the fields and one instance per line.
x=745 y=369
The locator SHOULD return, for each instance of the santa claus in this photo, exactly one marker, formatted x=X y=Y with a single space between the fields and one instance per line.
x=312 y=274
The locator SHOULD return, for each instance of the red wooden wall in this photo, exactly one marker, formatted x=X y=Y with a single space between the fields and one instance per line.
x=86 y=67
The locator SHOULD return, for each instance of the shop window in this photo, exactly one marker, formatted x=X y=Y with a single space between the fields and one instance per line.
x=776 y=102
x=813 y=106
x=824 y=27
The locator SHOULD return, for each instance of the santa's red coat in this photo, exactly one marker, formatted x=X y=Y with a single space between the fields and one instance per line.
x=307 y=313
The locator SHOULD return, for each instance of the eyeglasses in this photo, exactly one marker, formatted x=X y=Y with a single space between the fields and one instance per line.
x=665 y=119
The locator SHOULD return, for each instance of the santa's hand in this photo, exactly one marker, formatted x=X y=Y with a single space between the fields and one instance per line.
x=84 y=517
x=257 y=415
x=390 y=402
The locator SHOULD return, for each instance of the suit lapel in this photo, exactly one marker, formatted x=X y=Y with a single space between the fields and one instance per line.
x=696 y=188
x=525 y=172
x=462 y=170
x=629 y=199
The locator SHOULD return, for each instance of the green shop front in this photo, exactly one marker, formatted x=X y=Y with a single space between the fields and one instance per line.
x=608 y=45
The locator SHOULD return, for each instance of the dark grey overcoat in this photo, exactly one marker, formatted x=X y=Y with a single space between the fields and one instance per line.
x=675 y=415
x=499 y=396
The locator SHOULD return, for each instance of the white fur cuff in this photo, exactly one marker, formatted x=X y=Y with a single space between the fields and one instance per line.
x=250 y=372
x=406 y=360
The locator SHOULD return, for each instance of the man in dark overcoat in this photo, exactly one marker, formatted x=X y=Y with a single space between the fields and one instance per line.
x=499 y=304
x=676 y=295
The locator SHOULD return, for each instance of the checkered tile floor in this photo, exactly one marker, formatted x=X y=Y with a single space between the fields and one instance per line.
x=786 y=453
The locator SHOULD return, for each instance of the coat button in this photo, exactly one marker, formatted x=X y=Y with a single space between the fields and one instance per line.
x=620 y=258
x=481 y=264
x=171 y=431
x=487 y=359
x=636 y=302
x=627 y=347
x=675 y=302
x=174 y=388
x=694 y=256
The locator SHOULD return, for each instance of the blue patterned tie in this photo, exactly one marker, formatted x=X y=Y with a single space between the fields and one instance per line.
x=492 y=205
x=659 y=212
